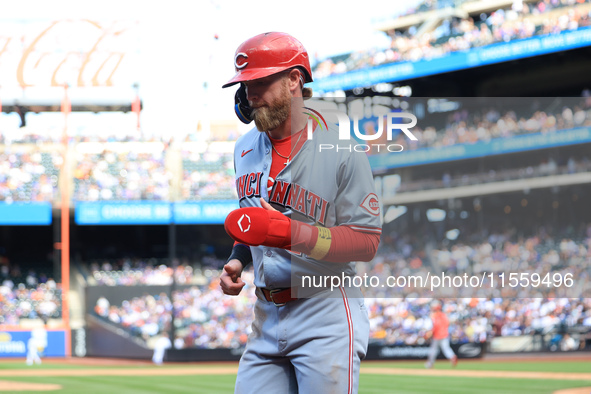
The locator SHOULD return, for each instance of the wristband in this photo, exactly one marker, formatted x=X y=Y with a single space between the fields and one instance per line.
x=241 y=253
x=322 y=244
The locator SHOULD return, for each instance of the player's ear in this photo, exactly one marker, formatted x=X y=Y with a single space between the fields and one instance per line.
x=296 y=79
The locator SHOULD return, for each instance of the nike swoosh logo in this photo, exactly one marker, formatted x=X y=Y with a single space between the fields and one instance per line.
x=245 y=152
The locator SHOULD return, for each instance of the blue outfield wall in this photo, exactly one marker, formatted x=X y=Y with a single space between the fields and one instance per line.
x=25 y=214
x=149 y=212
x=203 y=212
x=123 y=212
x=14 y=344
x=482 y=56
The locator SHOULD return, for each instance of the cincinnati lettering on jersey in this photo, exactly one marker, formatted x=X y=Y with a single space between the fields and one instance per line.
x=294 y=196
x=249 y=185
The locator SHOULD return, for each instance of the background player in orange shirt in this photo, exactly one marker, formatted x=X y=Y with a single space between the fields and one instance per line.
x=440 y=337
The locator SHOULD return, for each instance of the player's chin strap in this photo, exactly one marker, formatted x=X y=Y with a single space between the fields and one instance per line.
x=241 y=107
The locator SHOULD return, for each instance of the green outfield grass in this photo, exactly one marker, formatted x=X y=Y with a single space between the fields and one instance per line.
x=49 y=365
x=198 y=384
x=529 y=366
x=382 y=384
x=369 y=383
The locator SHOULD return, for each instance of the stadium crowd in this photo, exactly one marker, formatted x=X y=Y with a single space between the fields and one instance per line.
x=204 y=317
x=28 y=176
x=468 y=127
x=207 y=175
x=545 y=251
x=131 y=272
x=27 y=296
x=107 y=172
x=121 y=175
x=458 y=179
x=405 y=321
x=520 y=21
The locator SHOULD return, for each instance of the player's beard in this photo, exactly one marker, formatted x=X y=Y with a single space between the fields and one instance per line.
x=270 y=117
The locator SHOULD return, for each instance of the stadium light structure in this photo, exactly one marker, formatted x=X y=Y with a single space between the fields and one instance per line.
x=22 y=112
x=66 y=108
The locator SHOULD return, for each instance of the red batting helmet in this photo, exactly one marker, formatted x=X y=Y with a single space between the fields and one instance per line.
x=268 y=54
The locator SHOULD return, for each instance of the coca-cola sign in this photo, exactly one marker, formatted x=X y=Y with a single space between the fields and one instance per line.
x=80 y=53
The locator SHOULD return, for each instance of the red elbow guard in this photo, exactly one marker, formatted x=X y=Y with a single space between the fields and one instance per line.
x=258 y=226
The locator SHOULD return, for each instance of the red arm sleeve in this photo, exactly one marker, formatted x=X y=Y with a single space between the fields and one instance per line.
x=351 y=245
x=346 y=244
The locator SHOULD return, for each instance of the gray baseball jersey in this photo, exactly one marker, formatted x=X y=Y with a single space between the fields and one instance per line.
x=330 y=188
x=310 y=344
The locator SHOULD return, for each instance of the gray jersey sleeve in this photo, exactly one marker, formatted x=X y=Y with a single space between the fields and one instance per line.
x=356 y=202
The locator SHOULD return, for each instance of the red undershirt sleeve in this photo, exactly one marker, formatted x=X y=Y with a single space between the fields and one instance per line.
x=346 y=244
x=351 y=245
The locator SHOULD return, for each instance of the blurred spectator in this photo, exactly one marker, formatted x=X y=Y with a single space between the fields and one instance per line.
x=128 y=272
x=121 y=175
x=568 y=343
x=28 y=176
x=22 y=302
x=207 y=176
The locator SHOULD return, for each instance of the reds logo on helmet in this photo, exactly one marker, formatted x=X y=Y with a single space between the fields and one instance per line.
x=371 y=204
x=238 y=55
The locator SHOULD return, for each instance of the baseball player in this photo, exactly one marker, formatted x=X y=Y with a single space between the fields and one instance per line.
x=162 y=344
x=440 y=338
x=303 y=213
x=36 y=344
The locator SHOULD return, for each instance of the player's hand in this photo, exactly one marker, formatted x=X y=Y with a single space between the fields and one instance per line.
x=230 y=280
x=266 y=205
